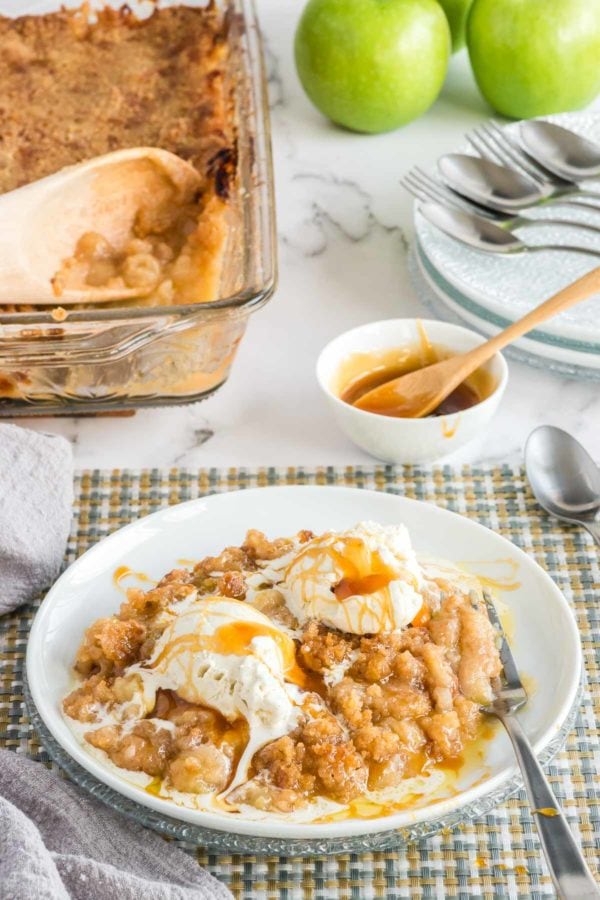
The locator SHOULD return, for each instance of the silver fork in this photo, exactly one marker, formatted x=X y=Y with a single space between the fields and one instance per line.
x=568 y=868
x=492 y=142
x=425 y=187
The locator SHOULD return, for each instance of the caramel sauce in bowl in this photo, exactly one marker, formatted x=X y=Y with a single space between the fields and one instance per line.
x=362 y=372
x=366 y=357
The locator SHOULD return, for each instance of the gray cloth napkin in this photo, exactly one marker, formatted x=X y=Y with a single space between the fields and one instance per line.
x=36 y=503
x=57 y=843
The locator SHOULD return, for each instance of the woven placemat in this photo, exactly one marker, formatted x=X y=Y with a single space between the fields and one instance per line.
x=496 y=856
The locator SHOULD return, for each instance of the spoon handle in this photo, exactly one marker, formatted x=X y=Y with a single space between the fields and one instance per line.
x=587 y=251
x=521 y=221
x=581 y=199
x=574 y=293
x=594 y=530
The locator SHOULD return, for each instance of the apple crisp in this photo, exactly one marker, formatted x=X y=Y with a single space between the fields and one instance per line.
x=76 y=86
x=172 y=685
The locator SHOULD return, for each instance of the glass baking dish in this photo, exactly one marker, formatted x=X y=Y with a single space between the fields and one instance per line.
x=101 y=360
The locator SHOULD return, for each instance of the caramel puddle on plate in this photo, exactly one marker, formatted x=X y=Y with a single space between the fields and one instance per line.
x=504 y=582
x=505 y=579
x=365 y=808
x=124 y=572
x=154 y=787
x=232 y=735
x=453 y=769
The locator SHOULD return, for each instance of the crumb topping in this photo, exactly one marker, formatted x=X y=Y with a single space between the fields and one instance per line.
x=402 y=702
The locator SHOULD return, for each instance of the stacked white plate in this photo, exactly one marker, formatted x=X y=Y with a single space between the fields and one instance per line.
x=489 y=292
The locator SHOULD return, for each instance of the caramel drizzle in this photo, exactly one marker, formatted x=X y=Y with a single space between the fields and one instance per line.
x=363 y=574
x=234 y=639
x=123 y=572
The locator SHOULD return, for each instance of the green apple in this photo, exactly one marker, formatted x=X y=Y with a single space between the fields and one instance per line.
x=372 y=65
x=457 y=12
x=534 y=57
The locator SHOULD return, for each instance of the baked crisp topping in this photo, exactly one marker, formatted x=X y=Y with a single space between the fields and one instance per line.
x=75 y=87
x=345 y=716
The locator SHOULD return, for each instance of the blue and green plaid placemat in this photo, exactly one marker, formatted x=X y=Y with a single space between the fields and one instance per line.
x=495 y=857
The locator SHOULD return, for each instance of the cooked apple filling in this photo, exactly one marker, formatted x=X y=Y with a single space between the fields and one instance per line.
x=74 y=87
x=228 y=681
x=161 y=260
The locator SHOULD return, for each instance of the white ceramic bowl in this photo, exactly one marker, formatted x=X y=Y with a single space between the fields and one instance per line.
x=408 y=440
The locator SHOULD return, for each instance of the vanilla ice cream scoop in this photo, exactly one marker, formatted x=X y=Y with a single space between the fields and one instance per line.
x=227 y=655
x=364 y=581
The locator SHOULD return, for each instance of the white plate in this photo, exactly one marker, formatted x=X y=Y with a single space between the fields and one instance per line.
x=508 y=287
x=546 y=641
x=535 y=352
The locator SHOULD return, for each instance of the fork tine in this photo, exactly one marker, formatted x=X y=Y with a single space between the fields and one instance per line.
x=493 y=144
x=418 y=172
x=512 y=678
x=423 y=193
x=424 y=187
x=444 y=195
x=419 y=182
x=513 y=153
x=416 y=192
x=482 y=146
x=490 y=142
x=427 y=190
x=429 y=186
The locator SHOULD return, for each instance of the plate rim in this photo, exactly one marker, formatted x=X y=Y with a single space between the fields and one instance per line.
x=472 y=303
x=231 y=842
x=441 y=304
x=532 y=346
x=273 y=828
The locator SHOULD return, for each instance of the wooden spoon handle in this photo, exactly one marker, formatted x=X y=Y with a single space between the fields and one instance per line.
x=574 y=293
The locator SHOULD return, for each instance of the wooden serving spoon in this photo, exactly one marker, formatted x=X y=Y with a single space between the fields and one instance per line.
x=419 y=393
x=41 y=223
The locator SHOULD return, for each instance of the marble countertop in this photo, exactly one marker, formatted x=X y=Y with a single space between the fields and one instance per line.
x=345 y=231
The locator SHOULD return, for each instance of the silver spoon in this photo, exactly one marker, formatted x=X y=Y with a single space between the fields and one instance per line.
x=563 y=152
x=482 y=234
x=425 y=187
x=504 y=189
x=564 y=478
